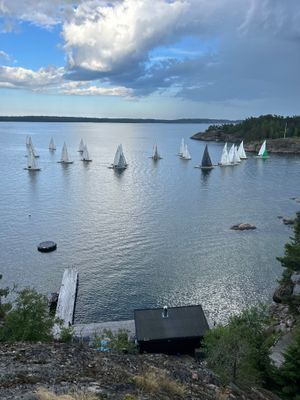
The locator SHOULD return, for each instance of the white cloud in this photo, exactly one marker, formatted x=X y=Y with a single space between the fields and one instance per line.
x=4 y=56
x=18 y=77
x=100 y=91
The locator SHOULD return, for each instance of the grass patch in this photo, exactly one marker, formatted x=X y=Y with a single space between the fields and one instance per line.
x=44 y=394
x=157 y=382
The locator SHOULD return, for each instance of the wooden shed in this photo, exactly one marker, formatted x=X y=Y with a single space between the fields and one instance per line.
x=170 y=330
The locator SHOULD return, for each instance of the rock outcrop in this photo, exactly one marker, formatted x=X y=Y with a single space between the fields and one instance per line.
x=243 y=227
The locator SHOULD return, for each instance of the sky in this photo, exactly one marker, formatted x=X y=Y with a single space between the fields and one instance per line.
x=150 y=58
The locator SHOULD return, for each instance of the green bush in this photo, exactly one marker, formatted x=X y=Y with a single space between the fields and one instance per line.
x=238 y=352
x=4 y=307
x=29 y=319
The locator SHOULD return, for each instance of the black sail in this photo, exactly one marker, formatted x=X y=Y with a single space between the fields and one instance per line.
x=206 y=161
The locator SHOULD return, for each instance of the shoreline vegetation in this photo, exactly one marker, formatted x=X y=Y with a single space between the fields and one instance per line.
x=282 y=133
x=46 y=118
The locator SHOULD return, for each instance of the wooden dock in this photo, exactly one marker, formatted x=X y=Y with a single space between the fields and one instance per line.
x=66 y=300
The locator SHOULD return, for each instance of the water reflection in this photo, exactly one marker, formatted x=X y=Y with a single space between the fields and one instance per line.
x=205 y=175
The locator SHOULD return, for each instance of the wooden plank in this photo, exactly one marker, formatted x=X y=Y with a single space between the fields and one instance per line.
x=66 y=299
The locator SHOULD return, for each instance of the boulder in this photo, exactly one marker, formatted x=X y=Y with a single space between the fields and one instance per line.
x=242 y=227
x=283 y=292
x=288 y=221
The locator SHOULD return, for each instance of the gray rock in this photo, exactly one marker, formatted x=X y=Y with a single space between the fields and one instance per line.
x=242 y=227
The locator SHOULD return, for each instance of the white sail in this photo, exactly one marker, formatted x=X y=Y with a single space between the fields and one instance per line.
x=241 y=151
x=236 y=157
x=31 y=161
x=64 y=159
x=28 y=140
x=155 y=154
x=224 y=156
x=85 y=154
x=81 y=146
x=119 y=160
x=262 y=149
x=52 y=144
x=231 y=155
x=186 y=154
x=181 y=148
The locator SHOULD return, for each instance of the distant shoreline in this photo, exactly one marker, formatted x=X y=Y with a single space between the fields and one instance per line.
x=42 y=118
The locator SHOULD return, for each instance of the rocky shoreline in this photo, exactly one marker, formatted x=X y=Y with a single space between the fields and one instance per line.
x=74 y=368
x=280 y=146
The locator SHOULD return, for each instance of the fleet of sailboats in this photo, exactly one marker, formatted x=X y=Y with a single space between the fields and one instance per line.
x=228 y=158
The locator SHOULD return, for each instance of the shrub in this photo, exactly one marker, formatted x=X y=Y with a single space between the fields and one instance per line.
x=29 y=320
x=238 y=352
x=118 y=341
x=4 y=308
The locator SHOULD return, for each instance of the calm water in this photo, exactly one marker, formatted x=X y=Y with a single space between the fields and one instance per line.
x=156 y=234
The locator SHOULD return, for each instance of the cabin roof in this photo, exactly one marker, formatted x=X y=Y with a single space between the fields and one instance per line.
x=181 y=322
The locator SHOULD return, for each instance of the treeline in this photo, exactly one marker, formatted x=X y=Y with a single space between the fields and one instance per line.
x=42 y=118
x=263 y=127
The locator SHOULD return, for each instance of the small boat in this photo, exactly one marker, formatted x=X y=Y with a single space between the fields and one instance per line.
x=181 y=148
x=52 y=146
x=81 y=146
x=206 y=160
x=31 y=161
x=65 y=156
x=155 y=156
x=119 y=160
x=241 y=151
x=224 y=162
x=85 y=155
x=263 y=153
x=186 y=154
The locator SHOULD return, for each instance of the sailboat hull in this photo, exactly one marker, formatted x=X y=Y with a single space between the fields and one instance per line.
x=32 y=169
x=65 y=162
x=87 y=160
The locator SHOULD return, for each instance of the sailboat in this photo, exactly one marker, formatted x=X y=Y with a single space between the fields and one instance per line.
x=65 y=156
x=81 y=146
x=224 y=162
x=241 y=151
x=31 y=161
x=119 y=160
x=85 y=155
x=155 y=156
x=263 y=153
x=206 y=160
x=29 y=145
x=236 y=157
x=231 y=157
x=181 y=148
x=186 y=154
x=52 y=146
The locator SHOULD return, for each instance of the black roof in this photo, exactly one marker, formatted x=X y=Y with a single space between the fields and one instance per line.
x=182 y=322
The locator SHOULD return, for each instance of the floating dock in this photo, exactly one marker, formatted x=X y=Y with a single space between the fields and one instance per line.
x=66 y=300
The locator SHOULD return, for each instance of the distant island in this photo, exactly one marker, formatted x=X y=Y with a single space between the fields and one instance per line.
x=282 y=133
x=42 y=118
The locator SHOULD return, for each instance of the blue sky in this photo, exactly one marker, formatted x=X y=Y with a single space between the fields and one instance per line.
x=149 y=58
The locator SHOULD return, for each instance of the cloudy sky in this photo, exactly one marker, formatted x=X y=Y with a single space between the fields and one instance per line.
x=150 y=58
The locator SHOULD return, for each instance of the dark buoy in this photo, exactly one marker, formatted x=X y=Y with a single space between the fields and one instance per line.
x=46 y=247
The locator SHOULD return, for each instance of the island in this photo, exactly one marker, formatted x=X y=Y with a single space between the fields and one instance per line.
x=282 y=133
